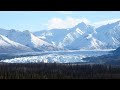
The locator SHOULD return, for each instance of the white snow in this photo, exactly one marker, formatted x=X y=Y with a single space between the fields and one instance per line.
x=37 y=42
x=46 y=59
x=56 y=56
x=26 y=38
x=89 y=36
x=6 y=45
x=79 y=31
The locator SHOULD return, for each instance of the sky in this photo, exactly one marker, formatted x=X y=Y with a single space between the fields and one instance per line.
x=46 y=20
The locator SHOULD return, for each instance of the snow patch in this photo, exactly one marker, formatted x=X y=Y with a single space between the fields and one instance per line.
x=79 y=31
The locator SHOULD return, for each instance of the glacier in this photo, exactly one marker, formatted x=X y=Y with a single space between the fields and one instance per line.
x=69 y=56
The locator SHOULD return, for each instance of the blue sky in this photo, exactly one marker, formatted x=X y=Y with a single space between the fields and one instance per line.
x=40 y=20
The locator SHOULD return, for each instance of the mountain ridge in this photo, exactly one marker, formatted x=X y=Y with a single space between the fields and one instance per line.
x=79 y=33
x=80 y=37
x=8 y=46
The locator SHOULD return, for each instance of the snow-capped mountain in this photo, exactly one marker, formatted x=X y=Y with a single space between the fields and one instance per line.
x=78 y=37
x=85 y=42
x=28 y=39
x=109 y=34
x=54 y=36
x=8 y=46
x=84 y=36
x=81 y=36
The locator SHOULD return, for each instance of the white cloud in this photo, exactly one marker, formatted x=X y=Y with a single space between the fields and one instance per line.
x=69 y=22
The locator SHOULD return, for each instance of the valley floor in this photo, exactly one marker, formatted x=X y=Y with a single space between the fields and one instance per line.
x=58 y=71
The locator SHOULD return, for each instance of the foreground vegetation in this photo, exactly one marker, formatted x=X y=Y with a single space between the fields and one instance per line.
x=58 y=71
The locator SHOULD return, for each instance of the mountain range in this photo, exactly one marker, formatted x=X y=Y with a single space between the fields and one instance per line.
x=80 y=37
x=84 y=36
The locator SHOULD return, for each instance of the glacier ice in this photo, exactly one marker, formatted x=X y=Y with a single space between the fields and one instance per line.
x=56 y=56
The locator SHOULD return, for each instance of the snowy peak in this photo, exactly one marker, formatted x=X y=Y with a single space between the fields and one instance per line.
x=65 y=38
x=109 y=34
x=6 y=46
x=82 y=24
x=81 y=36
x=37 y=42
x=86 y=36
x=76 y=34
x=84 y=28
x=54 y=36
x=108 y=26
x=26 y=38
x=115 y=23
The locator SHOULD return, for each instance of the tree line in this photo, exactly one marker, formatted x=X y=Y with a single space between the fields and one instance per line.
x=58 y=71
